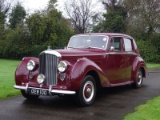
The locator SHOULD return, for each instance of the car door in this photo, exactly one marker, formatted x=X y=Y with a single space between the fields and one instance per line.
x=115 y=63
x=129 y=56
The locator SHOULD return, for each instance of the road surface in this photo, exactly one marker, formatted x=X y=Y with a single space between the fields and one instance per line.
x=111 y=104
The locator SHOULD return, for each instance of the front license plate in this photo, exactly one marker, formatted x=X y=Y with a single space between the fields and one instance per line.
x=38 y=91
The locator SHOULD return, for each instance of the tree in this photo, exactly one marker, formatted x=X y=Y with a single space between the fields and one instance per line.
x=17 y=43
x=143 y=24
x=17 y=15
x=80 y=13
x=58 y=31
x=115 y=18
x=40 y=29
x=51 y=5
x=144 y=17
x=4 y=9
x=49 y=28
x=36 y=27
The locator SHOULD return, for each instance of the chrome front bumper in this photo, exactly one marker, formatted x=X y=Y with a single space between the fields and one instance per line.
x=51 y=91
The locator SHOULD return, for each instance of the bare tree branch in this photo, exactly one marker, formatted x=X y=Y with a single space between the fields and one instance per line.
x=5 y=6
x=80 y=13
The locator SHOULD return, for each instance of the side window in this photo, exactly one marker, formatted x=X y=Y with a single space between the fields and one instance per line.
x=116 y=43
x=127 y=44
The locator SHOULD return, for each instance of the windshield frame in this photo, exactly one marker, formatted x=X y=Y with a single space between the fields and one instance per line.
x=88 y=47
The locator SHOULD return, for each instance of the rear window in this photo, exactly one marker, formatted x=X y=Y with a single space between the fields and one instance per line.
x=128 y=44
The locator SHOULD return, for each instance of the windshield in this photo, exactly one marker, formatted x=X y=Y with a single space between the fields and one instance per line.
x=89 y=41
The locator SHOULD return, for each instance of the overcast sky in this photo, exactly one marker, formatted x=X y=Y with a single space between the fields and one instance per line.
x=33 y=5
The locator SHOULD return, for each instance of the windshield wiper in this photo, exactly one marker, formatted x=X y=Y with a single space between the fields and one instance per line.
x=71 y=47
x=90 y=47
x=76 y=47
x=87 y=47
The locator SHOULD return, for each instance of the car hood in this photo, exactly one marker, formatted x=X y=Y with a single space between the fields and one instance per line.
x=72 y=55
x=79 y=52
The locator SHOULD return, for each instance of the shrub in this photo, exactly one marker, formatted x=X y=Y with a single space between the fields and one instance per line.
x=148 y=51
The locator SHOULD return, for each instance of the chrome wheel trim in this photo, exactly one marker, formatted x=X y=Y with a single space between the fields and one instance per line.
x=88 y=91
x=139 y=78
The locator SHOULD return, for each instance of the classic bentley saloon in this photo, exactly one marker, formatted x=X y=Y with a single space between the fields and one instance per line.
x=89 y=62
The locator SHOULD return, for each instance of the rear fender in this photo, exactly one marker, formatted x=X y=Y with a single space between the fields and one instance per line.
x=138 y=64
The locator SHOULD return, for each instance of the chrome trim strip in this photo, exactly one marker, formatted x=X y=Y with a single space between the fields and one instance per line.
x=121 y=53
x=52 y=52
x=67 y=92
x=26 y=88
x=63 y=92
x=50 y=89
x=20 y=87
x=85 y=55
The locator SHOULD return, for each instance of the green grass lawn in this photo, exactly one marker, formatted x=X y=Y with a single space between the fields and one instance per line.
x=148 y=111
x=153 y=66
x=7 y=69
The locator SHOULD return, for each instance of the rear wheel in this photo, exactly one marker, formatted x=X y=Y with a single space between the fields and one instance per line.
x=139 y=79
x=87 y=93
x=28 y=96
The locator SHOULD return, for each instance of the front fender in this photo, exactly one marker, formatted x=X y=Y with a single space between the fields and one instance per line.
x=22 y=73
x=81 y=68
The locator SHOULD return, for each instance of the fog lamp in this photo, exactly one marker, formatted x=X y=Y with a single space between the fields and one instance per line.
x=40 y=78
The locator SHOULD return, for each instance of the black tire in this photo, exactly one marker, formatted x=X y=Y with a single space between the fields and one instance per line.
x=139 y=79
x=87 y=93
x=28 y=96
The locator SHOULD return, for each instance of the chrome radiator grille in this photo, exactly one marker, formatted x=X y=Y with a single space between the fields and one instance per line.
x=48 y=67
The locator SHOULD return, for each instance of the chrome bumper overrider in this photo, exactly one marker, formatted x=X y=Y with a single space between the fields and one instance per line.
x=67 y=92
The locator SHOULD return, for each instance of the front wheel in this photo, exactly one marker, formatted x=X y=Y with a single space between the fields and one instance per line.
x=139 y=79
x=87 y=93
x=28 y=96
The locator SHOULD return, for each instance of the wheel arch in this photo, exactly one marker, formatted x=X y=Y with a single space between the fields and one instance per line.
x=96 y=77
x=138 y=63
x=143 y=71
x=86 y=67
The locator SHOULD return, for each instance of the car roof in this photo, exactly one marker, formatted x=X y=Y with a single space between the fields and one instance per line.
x=106 y=34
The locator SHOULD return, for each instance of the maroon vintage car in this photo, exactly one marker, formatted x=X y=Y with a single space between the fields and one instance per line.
x=89 y=62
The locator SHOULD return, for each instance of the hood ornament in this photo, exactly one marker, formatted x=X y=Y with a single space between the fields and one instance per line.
x=51 y=52
x=49 y=47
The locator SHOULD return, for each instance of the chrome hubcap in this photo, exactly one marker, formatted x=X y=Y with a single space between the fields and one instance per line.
x=88 y=91
x=139 y=78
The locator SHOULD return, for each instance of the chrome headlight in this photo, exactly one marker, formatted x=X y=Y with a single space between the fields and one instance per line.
x=40 y=78
x=31 y=65
x=62 y=66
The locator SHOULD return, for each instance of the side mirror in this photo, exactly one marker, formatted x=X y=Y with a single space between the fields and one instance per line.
x=111 y=48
